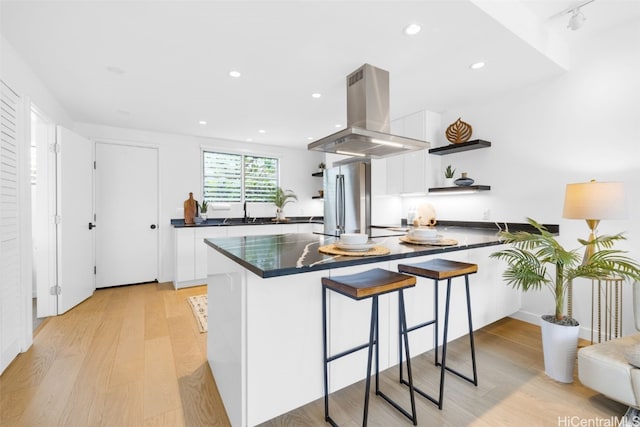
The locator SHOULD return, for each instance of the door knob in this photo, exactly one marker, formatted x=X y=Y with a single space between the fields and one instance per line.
x=153 y=226
x=91 y=226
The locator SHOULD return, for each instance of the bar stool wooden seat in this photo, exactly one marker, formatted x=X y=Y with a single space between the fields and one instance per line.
x=441 y=269
x=369 y=284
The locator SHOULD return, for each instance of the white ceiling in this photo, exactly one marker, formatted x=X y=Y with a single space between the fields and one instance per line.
x=173 y=58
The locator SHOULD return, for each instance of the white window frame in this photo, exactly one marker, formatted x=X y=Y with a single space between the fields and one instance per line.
x=205 y=150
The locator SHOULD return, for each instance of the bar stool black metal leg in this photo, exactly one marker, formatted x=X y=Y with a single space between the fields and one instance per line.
x=405 y=335
x=473 y=380
x=444 y=343
x=327 y=418
x=403 y=332
x=436 y=319
x=471 y=341
x=374 y=311
x=400 y=375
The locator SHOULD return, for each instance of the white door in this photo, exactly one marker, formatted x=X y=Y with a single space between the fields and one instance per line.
x=127 y=214
x=75 y=232
x=43 y=210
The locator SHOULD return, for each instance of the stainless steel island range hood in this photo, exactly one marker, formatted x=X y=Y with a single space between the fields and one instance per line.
x=368 y=124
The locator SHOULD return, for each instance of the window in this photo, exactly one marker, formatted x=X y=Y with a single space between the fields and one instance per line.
x=236 y=178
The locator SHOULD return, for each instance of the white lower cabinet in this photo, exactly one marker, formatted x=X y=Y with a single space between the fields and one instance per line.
x=191 y=265
x=260 y=230
x=310 y=228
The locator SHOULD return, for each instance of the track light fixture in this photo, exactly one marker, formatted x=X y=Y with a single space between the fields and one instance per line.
x=576 y=20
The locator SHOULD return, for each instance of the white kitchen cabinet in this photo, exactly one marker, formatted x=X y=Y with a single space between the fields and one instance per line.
x=310 y=227
x=260 y=230
x=201 y=248
x=184 y=255
x=409 y=173
x=191 y=255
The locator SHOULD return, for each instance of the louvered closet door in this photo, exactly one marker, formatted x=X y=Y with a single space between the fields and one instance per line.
x=10 y=295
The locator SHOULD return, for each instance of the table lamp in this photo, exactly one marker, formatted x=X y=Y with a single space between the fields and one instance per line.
x=594 y=201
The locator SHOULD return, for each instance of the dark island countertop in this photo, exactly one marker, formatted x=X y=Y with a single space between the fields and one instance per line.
x=284 y=254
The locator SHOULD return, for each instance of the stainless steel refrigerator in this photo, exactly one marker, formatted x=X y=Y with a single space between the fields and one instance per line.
x=347 y=198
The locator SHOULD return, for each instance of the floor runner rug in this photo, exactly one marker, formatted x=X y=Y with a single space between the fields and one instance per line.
x=199 y=307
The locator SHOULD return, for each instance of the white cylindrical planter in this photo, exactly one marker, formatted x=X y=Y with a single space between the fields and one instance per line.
x=560 y=346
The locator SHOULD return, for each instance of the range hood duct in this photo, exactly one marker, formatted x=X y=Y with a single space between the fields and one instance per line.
x=368 y=124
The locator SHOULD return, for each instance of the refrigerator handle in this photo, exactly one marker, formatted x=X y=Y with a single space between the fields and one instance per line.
x=338 y=204
x=342 y=205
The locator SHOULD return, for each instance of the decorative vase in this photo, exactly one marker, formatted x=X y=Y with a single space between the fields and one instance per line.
x=448 y=182
x=559 y=345
x=280 y=214
x=203 y=215
x=464 y=180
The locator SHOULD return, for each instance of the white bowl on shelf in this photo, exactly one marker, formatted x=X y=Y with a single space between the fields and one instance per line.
x=354 y=238
x=423 y=233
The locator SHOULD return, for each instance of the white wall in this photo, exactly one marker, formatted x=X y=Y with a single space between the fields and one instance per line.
x=580 y=126
x=180 y=173
x=17 y=74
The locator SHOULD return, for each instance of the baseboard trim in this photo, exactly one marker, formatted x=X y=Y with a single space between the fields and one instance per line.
x=534 y=319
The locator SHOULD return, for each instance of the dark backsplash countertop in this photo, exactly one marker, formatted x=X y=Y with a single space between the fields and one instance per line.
x=216 y=222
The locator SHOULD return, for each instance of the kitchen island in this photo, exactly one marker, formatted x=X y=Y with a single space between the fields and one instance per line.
x=265 y=324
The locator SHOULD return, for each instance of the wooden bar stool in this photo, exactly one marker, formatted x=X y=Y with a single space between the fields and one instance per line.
x=441 y=269
x=369 y=284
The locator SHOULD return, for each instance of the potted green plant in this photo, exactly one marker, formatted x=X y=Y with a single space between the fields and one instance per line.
x=204 y=207
x=528 y=261
x=280 y=199
x=449 y=172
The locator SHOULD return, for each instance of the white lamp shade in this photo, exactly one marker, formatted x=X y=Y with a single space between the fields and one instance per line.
x=594 y=200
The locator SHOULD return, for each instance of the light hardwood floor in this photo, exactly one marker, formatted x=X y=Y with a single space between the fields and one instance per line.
x=128 y=356
x=133 y=356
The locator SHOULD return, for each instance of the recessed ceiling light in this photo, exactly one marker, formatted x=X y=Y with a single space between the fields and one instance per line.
x=412 y=29
x=115 y=70
x=202 y=122
x=310 y=138
x=235 y=74
x=477 y=65
x=338 y=125
x=316 y=95
x=262 y=131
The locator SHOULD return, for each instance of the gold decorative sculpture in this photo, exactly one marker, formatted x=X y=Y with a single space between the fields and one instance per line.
x=458 y=132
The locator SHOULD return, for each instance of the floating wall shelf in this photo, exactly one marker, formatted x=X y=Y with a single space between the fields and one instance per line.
x=457 y=148
x=460 y=189
x=318 y=174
